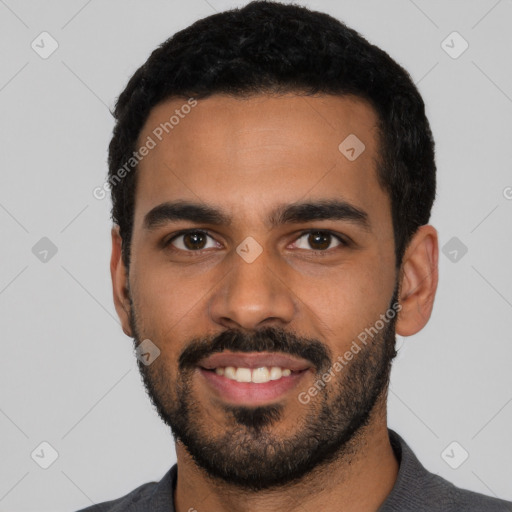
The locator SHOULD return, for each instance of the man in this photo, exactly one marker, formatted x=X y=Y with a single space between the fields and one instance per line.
x=272 y=177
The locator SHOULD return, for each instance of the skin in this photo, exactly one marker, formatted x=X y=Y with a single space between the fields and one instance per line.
x=247 y=156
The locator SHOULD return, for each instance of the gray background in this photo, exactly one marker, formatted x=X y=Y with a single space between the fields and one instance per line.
x=68 y=374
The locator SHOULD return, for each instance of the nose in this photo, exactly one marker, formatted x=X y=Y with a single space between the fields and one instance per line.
x=253 y=295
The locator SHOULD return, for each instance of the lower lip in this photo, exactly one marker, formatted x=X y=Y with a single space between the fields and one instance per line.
x=251 y=393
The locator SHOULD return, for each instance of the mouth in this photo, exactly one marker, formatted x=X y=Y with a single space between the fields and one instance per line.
x=252 y=378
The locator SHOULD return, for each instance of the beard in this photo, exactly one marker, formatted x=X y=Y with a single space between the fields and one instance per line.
x=248 y=454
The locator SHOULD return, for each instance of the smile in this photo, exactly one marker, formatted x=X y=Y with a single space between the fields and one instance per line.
x=256 y=375
x=252 y=378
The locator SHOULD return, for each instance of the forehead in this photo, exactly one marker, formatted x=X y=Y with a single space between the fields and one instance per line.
x=248 y=155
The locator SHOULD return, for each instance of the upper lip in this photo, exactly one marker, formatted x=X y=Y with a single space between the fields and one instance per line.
x=253 y=360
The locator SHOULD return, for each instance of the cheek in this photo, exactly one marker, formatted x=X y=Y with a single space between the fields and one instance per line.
x=164 y=316
x=165 y=299
x=347 y=300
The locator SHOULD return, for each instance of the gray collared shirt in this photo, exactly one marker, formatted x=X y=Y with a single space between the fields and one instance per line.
x=415 y=490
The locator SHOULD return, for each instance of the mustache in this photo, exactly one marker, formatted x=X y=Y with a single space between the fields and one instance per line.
x=269 y=339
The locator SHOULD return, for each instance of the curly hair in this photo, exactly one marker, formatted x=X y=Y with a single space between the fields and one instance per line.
x=272 y=48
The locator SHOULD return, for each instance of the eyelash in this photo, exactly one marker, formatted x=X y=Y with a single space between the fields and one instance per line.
x=339 y=238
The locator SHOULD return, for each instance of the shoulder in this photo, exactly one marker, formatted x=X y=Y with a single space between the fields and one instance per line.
x=419 y=490
x=123 y=503
x=472 y=501
x=451 y=498
x=151 y=496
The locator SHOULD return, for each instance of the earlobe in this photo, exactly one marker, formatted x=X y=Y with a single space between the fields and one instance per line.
x=119 y=277
x=418 y=281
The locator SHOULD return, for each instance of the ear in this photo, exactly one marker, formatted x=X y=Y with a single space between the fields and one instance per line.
x=120 y=282
x=418 y=281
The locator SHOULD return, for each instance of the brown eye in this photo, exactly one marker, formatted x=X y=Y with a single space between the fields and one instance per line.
x=318 y=240
x=191 y=241
x=194 y=240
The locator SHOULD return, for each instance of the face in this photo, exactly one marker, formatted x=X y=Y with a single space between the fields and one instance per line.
x=261 y=252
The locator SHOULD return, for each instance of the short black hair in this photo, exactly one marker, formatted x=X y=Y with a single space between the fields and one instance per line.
x=272 y=48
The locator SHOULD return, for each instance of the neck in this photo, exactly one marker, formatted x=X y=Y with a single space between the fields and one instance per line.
x=359 y=480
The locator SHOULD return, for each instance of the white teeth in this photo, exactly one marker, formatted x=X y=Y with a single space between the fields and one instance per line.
x=256 y=375
x=230 y=372
x=260 y=375
x=243 y=375
x=275 y=373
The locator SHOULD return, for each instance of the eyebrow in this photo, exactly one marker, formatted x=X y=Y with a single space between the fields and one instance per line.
x=294 y=213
